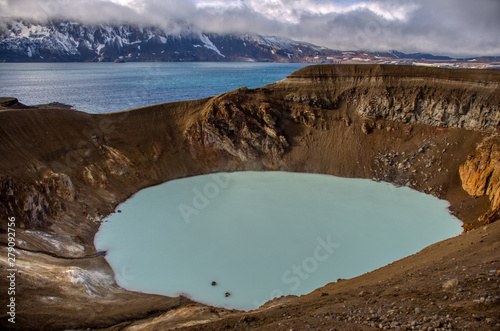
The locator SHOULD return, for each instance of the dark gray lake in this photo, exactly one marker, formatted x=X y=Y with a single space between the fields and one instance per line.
x=109 y=87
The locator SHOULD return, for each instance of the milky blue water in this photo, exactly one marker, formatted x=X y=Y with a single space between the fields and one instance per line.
x=109 y=87
x=260 y=235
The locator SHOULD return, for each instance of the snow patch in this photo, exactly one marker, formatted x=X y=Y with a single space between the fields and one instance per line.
x=92 y=280
x=279 y=43
x=87 y=44
x=99 y=48
x=210 y=45
x=40 y=233
x=49 y=239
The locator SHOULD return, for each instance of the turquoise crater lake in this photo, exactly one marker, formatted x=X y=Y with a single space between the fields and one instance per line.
x=237 y=240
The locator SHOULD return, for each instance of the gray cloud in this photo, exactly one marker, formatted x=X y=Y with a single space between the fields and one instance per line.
x=450 y=27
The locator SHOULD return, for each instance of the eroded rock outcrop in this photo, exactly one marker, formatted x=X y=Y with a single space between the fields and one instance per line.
x=94 y=176
x=244 y=130
x=28 y=201
x=35 y=203
x=61 y=184
x=460 y=99
x=114 y=163
x=467 y=113
x=117 y=163
x=480 y=174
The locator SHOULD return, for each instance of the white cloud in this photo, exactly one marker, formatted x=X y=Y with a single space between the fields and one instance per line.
x=129 y=3
x=291 y=11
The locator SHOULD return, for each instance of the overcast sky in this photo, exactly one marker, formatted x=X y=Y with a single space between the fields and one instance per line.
x=449 y=27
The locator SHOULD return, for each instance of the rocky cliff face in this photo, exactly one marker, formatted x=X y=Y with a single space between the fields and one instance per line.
x=26 y=200
x=240 y=126
x=428 y=96
x=65 y=170
x=480 y=175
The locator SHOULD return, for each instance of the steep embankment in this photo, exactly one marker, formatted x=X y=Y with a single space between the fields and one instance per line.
x=62 y=171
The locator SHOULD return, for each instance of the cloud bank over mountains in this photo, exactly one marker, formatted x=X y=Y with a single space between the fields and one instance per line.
x=450 y=27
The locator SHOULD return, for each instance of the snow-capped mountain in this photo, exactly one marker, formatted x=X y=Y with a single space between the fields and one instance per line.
x=60 y=41
x=23 y=41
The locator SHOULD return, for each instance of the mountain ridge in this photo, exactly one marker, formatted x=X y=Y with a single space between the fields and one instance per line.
x=62 y=41
x=69 y=41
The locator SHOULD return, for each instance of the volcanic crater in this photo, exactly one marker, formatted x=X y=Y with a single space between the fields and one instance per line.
x=435 y=130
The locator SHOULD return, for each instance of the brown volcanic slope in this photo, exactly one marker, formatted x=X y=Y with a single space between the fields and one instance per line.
x=435 y=130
